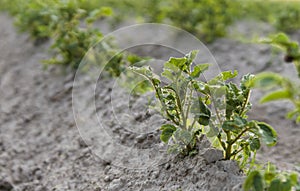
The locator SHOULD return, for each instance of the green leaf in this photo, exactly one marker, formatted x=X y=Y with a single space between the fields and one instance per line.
x=169 y=75
x=212 y=132
x=246 y=81
x=201 y=87
x=201 y=112
x=275 y=185
x=280 y=38
x=226 y=75
x=167 y=132
x=236 y=125
x=175 y=149
x=146 y=72
x=191 y=55
x=204 y=115
x=276 y=95
x=178 y=62
x=292 y=113
x=267 y=80
x=269 y=176
x=254 y=181
x=198 y=70
x=269 y=135
x=254 y=144
x=294 y=178
x=106 y=11
x=298 y=119
x=183 y=136
x=229 y=126
x=279 y=185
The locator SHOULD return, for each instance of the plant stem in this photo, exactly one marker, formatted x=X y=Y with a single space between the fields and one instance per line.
x=237 y=152
x=240 y=135
x=229 y=145
x=179 y=107
x=221 y=142
x=245 y=104
x=188 y=106
x=193 y=123
x=217 y=111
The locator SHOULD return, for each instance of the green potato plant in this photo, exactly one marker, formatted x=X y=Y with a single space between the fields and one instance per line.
x=216 y=108
x=207 y=19
x=71 y=41
x=282 y=88
x=271 y=179
x=287 y=17
x=34 y=17
x=69 y=27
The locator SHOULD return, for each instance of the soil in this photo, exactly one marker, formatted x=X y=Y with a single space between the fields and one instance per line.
x=44 y=145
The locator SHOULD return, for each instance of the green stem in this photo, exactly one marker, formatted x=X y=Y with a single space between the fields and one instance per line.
x=193 y=123
x=228 y=153
x=217 y=111
x=240 y=135
x=221 y=142
x=245 y=104
x=189 y=106
x=179 y=107
x=236 y=152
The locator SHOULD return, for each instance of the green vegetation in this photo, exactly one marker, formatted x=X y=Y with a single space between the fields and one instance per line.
x=68 y=25
x=207 y=19
x=71 y=41
x=282 y=88
x=271 y=179
x=283 y=15
x=195 y=107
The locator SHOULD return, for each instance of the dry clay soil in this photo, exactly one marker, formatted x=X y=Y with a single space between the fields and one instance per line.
x=42 y=148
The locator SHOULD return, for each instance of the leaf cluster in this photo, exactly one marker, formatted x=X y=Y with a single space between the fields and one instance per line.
x=216 y=108
x=271 y=179
x=69 y=27
x=282 y=88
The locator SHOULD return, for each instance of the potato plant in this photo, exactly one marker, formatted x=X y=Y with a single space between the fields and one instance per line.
x=34 y=17
x=282 y=88
x=271 y=179
x=216 y=108
x=69 y=27
x=71 y=41
x=206 y=19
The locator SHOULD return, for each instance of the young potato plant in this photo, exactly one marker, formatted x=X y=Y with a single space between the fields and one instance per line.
x=287 y=16
x=34 y=17
x=65 y=22
x=71 y=41
x=271 y=179
x=282 y=87
x=216 y=108
x=207 y=19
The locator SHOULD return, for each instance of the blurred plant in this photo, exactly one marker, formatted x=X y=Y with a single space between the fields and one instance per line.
x=207 y=19
x=34 y=17
x=71 y=41
x=288 y=16
x=282 y=88
x=69 y=27
x=271 y=179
